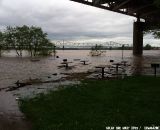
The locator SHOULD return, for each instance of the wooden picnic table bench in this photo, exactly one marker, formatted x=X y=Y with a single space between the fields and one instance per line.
x=155 y=66
x=102 y=67
x=124 y=62
x=84 y=61
x=66 y=63
x=117 y=65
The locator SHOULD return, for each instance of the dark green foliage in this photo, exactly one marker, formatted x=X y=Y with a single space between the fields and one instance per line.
x=147 y=47
x=1 y=43
x=155 y=31
x=93 y=105
x=32 y=39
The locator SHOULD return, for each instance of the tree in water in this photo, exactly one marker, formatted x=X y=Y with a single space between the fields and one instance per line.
x=1 y=43
x=39 y=41
x=32 y=39
x=13 y=39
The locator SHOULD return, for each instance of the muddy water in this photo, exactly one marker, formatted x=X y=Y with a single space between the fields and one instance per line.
x=13 y=68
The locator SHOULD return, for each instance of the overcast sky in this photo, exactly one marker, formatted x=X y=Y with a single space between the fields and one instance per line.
x=64 y=19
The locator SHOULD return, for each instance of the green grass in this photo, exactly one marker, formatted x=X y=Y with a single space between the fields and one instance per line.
x=93 y=105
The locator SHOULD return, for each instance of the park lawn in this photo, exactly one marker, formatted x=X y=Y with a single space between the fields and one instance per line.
x=95 y=104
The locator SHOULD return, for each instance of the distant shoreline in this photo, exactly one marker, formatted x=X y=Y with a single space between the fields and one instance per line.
x=157 y=48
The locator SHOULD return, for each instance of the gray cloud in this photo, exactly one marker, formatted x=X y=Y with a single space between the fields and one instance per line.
x=65 y=19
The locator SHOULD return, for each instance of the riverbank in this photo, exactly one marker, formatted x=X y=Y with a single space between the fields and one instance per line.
x=95 y=104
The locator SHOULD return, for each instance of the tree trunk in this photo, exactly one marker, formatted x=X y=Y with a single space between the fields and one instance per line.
x=21 y=53
x=17 y=52
x=0 y=52
x=35 y=50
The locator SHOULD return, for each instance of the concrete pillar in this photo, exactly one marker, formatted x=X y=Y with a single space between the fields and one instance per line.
x=138 y=38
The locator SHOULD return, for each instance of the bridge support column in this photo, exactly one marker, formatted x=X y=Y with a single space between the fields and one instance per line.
x=138 y=38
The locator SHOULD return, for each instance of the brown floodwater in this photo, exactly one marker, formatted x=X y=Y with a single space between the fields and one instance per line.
x=14 y=68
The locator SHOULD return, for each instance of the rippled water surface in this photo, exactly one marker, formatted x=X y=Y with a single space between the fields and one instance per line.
x=14 y=68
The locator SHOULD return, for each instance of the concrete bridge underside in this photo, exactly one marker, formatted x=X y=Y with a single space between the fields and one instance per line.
x=141 y=9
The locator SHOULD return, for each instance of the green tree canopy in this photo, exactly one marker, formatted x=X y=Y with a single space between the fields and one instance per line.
x=1 y=43
x=147 y=47
x=32 y=39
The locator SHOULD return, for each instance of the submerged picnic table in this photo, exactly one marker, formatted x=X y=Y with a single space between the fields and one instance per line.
x=102 y=67
x=84 y=61
x=124 y=62
x=117 y=65
x=66 y=63
x=155 y=66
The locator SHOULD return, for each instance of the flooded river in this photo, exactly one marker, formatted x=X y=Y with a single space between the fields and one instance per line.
x=14 y=68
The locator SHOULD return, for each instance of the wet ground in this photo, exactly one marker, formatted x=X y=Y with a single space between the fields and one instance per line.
x=47 y=74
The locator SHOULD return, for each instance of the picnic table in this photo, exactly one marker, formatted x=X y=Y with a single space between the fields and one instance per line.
x=84 y=61
x=155 y=66
x=66 y=63
x=117 y=65
x=102 y=67
x=124 y=63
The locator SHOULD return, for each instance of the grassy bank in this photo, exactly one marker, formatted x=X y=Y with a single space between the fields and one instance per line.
x=93 y=105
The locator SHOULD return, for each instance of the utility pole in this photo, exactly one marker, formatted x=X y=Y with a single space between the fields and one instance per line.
x=122 y=50
x=63 y=44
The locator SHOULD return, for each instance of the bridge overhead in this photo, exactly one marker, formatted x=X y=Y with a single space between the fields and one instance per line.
x=145 y=9
x=141 y=9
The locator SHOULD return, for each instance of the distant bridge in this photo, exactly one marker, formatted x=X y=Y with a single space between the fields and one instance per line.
x=69 y=44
